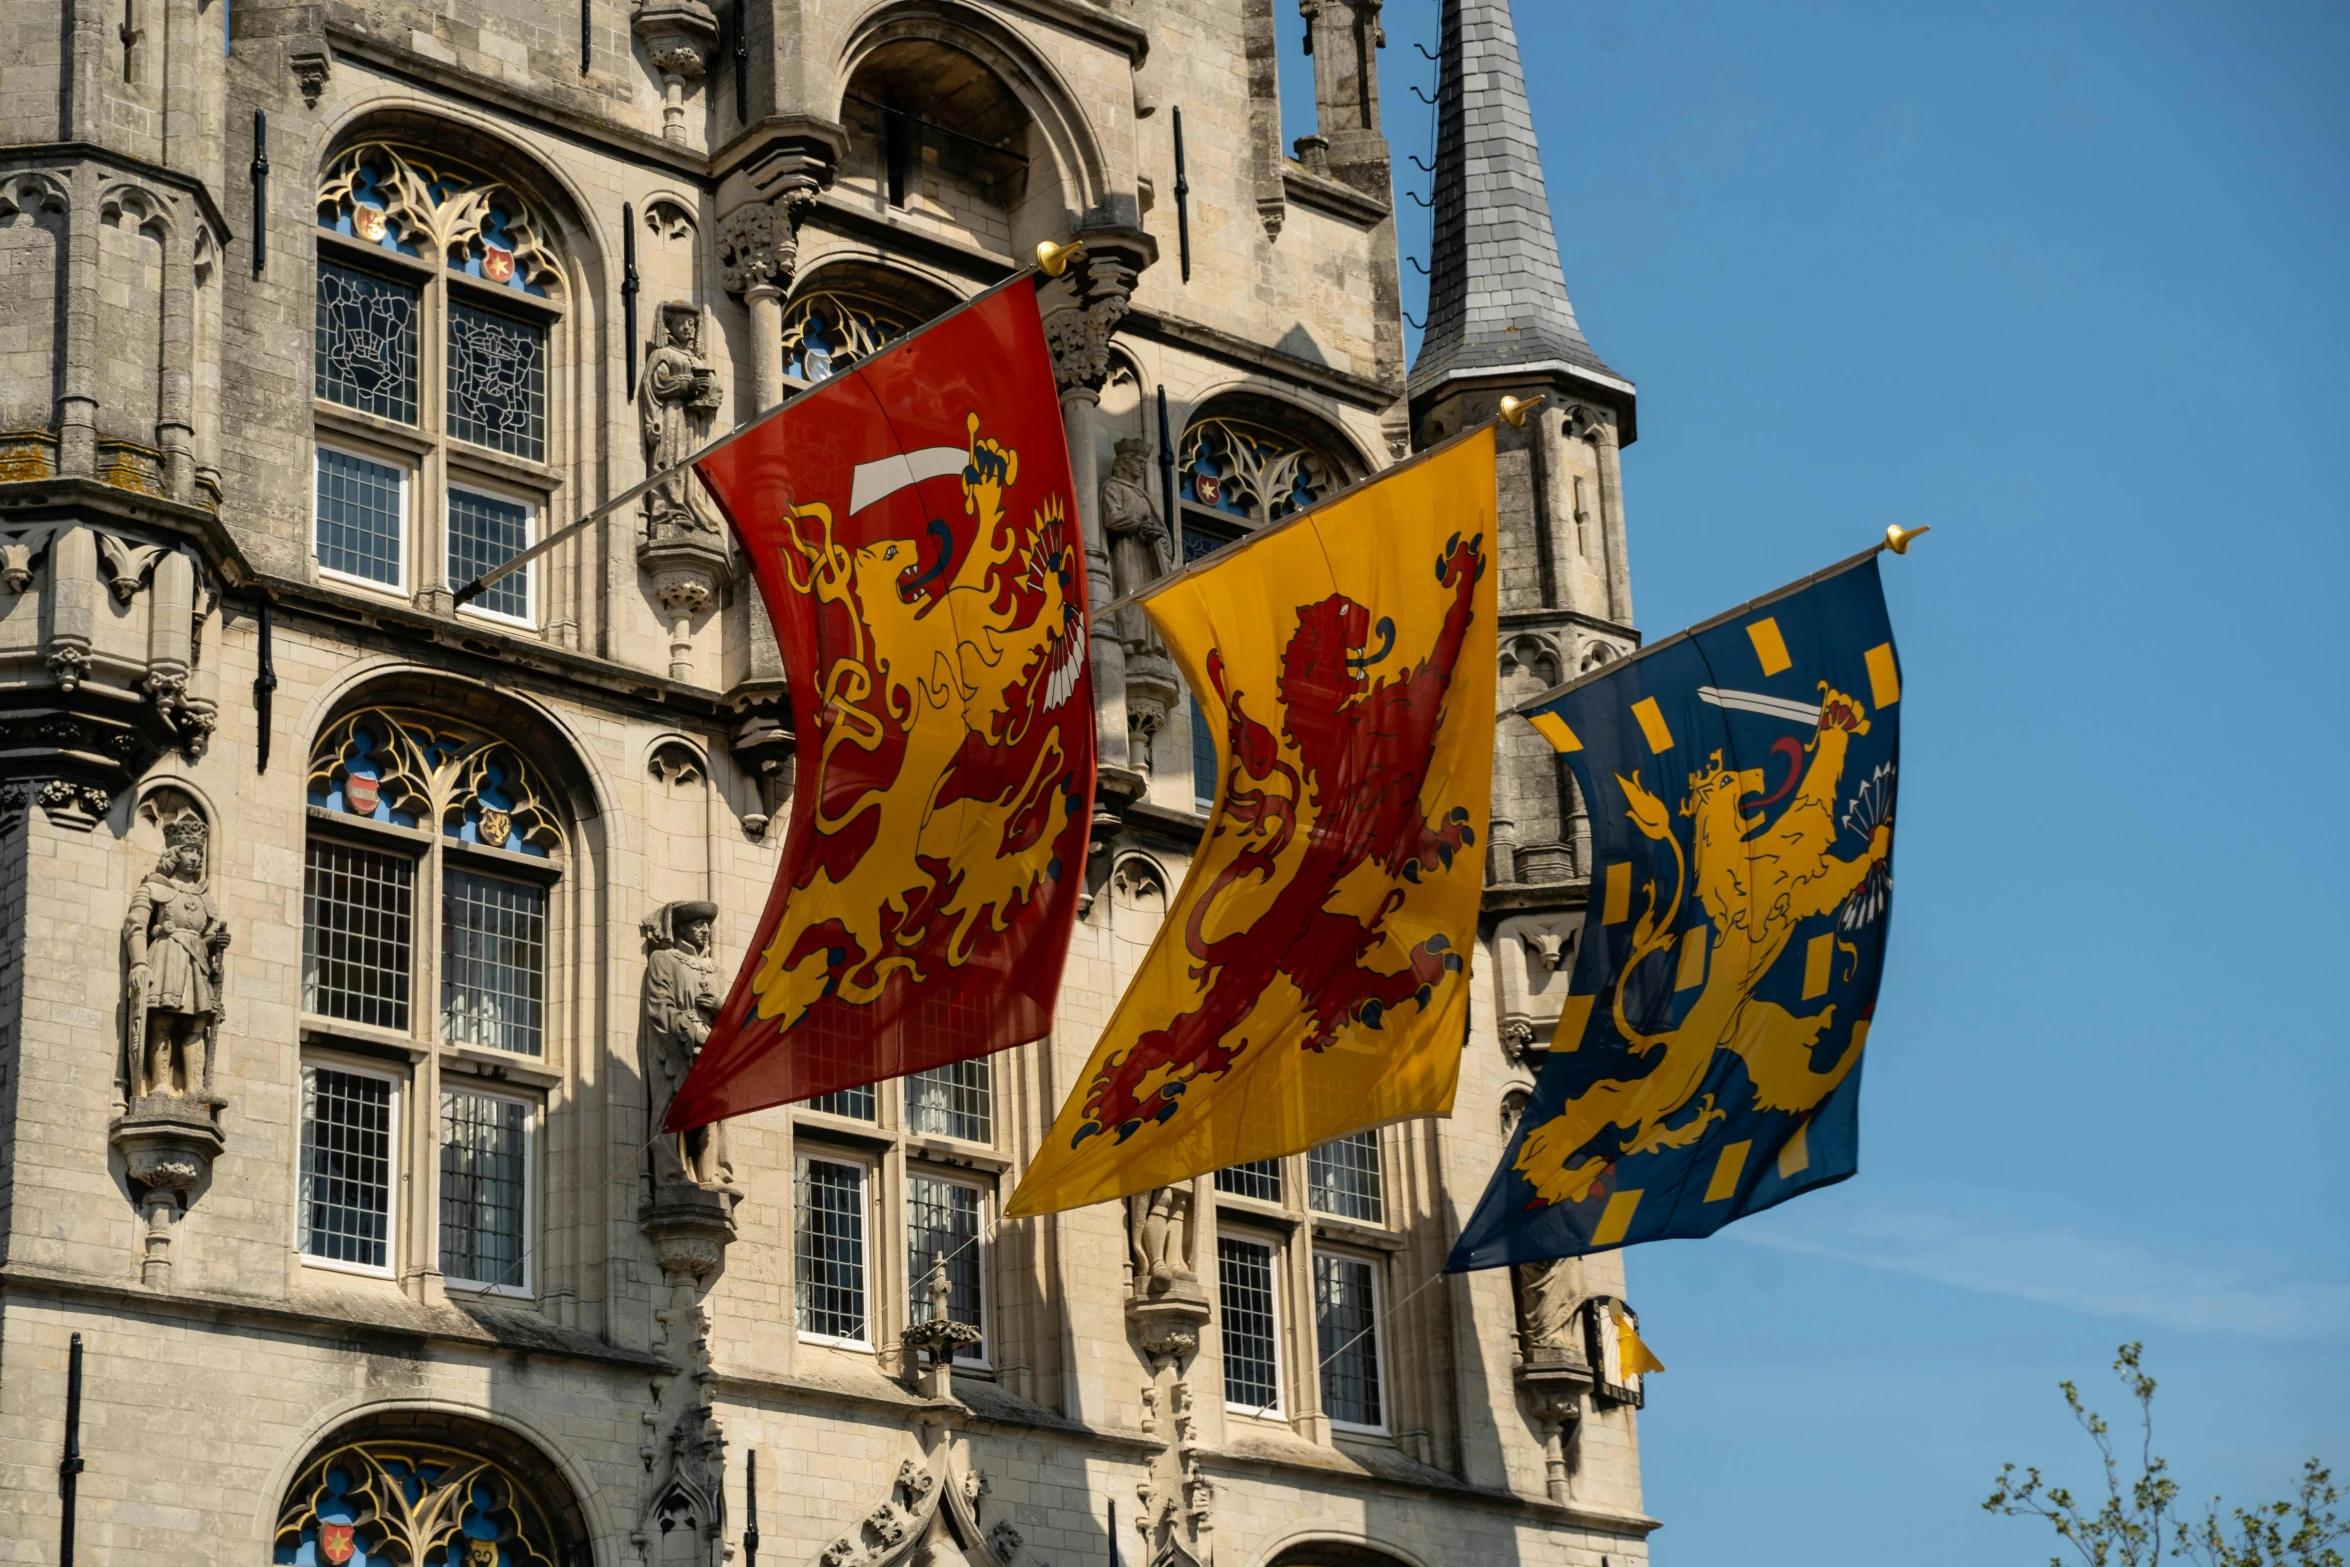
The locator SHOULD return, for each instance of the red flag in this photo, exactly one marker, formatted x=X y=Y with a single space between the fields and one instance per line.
x=914 y=530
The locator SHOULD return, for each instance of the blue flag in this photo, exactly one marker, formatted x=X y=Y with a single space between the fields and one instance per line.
x=1739 y=779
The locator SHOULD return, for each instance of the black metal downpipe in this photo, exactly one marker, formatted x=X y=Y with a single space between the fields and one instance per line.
x=260 y=173
x=1182 y=200
x=751 y=1509
x=628 y=287
x=264 y=683
x=69 y=1470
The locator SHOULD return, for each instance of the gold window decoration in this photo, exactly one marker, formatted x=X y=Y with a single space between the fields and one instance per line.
x=371 y=1504
x=412 y=769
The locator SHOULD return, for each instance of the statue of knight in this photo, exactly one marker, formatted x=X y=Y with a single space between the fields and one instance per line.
x=175 y=939
x=682 y=998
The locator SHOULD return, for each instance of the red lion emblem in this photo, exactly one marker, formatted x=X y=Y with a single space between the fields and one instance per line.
x=1363 y=750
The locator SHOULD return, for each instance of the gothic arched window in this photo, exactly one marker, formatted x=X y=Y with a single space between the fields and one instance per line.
x=435 y=357
x=376 y=1497
x=412 y=812
x=848 y=313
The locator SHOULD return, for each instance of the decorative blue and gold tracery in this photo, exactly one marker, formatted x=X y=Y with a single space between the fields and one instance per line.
x=395 y=198
x=375 y=1504
x=410 y=768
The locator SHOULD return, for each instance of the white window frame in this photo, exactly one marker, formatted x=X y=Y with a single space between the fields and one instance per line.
x=1278 y=1408
x=392 y=1169
x=532 y=507
x=526 y=1289
x=906 y=1105
x=405 y=466
x=1374 y=1266
x=868 y=1176
x=979 y=1358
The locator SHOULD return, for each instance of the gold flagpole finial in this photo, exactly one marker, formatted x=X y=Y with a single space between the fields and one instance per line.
x=1053 y=260
x=1514 y=412
x=1897 y=537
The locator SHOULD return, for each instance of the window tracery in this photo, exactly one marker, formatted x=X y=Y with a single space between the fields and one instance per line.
x=395 y=198
x=825 y=333
x=1253 y=470
x=412 y=769
x=372 y=1504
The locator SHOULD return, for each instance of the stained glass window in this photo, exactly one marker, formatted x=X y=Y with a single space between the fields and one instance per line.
x=483 y=1180
x=497 y=381
x=485 y=532
x=942 y=1220
x=346 y=1179
x=362 y=520
x=1251 y=470
x=1346 y=1339
x=366 y=343
x=493 y=962
x=824 y=334
x=1251 y=1331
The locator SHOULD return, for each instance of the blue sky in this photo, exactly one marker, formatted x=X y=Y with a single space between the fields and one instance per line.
x=2066 y=282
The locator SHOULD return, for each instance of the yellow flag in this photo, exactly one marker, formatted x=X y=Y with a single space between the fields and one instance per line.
x=1636 y=1357
x=1312 y=978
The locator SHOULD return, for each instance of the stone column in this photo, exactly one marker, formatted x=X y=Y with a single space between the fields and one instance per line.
x=678 y=36
x=175 y=414
x=759 y=247
x=77 y=406
x=1079 y=334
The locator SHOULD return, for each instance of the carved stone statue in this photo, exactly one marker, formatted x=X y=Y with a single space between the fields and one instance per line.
x=174 y=939
x=675 y=399
x=1549 y=1294
x=682 y=998
x=1140 y=551
x=1161 y=1223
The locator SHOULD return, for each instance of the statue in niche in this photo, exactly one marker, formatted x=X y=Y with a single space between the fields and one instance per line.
x=1161 y=1222
x=676 y=396
x=1548 y=1295
x=175 y=939
x=1140 y=551
x=682 y=997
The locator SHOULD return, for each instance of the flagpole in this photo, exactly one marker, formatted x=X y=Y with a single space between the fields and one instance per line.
x=1052 y=261
x=1897 y=539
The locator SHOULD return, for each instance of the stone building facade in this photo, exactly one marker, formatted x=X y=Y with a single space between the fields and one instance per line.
x=348 y=935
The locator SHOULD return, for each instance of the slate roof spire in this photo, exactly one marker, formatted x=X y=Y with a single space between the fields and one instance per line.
x=1497 y=300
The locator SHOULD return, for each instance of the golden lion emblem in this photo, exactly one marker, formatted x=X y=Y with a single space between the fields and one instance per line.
x=950 y=672
x=1756 y=884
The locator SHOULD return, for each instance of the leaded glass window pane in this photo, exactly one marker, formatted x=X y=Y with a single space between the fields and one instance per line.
x=362 y=521
x=497 y=381
x=1346 y=1337
x=855 y=1103
x=485 y=532
x=952 y=1101
x=1259 y=1178
x=345 y=1193
x=1252 y=1364
x=493 y=962
x=365 y=348
x=356 y=934
x=1342 y=1178
x=829 y=1248
x=483 y=1179
x=942 y=1220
